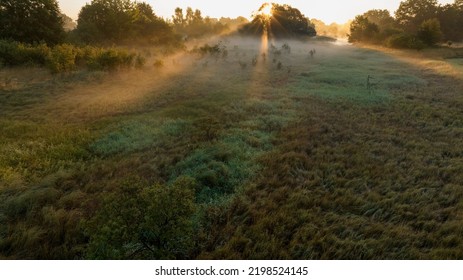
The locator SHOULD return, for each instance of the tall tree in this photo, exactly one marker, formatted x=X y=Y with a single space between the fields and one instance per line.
x=362 y=30
x=412 y=13
x=451 y=20
x=178 y=19
x=382 y=18
x=116 y=21
x=430 y=32
x=106 y=20
x=190 y=15
x=194 y=25
x=282 y=21
x=31 y=21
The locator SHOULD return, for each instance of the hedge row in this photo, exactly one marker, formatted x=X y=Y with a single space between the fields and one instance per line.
x=66 y=57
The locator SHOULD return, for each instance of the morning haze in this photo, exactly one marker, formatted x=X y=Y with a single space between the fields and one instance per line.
x=187 y=131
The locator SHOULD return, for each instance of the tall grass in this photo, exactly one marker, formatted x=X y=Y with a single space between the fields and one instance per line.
x=301 y=164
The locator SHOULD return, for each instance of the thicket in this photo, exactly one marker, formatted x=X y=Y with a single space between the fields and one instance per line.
x=66 y=57
x=417 y=24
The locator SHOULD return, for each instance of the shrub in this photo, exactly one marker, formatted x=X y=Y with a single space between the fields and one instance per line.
x=15 y=54
x=405 y=41
x=149 y=222
x=62 y=58
x=430 y=32
x=67 y=57
x=111 y=59
x=158 y=63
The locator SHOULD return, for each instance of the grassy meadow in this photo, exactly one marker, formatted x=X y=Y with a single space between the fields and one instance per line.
x=239 y=149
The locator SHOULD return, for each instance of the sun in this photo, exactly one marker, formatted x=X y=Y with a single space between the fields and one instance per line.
x=266 y=10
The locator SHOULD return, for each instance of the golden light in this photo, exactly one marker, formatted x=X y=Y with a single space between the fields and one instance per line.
x=266 y=10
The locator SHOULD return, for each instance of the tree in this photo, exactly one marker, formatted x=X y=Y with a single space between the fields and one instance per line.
x=148 y=26
x=178 y=18
x=144 y=222
x=68 y=23
x=451 y=20
x=194 y=25
x=105 y=20
x=430 y=32
x=382 y=18
x=387 y=26
x=412 y=13
x=362 y=30
x=114 y=21
x=31 y=21
x=283 y=21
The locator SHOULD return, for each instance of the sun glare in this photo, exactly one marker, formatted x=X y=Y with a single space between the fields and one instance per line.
x=267 y=10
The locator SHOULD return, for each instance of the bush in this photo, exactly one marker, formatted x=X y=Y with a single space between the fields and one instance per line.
x=430 y=32
x=144 y=222
x=111 y=59
x=158 y=63
x=405 y=41
x=14 y=54
x=62 y=58
x=67 y=57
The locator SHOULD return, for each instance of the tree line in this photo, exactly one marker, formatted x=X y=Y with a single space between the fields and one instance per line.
x=416 y=24
x=103 y=22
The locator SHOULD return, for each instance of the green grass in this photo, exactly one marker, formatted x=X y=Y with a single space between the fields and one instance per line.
x=137 y=135
x=302 y=162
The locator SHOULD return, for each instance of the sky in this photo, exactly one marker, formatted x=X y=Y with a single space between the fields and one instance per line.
x=329 y=11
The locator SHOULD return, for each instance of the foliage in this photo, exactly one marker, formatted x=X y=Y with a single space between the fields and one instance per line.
x=62 y=58
x=14 y=54
x=110 y=59
x=121 y=21
x=284 y=21
x=193 y=25
x=65 y=57
x=362 y=30
x=216 y=51
x=430 y=32
x=411 y=13
x=31 y=21
x=425 y=20
x=144 y=222
x=451 y=18
x=405 y=41
x=382 y=18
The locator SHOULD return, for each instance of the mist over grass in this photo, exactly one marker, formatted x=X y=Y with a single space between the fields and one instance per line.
x=286 y=154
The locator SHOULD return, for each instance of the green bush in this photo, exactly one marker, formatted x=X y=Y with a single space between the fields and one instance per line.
x=67 y=57
x=151 y=222
x=405 y=41
x=110 y=59
x=430 y=32
x=14 y=54
x=62 y=58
